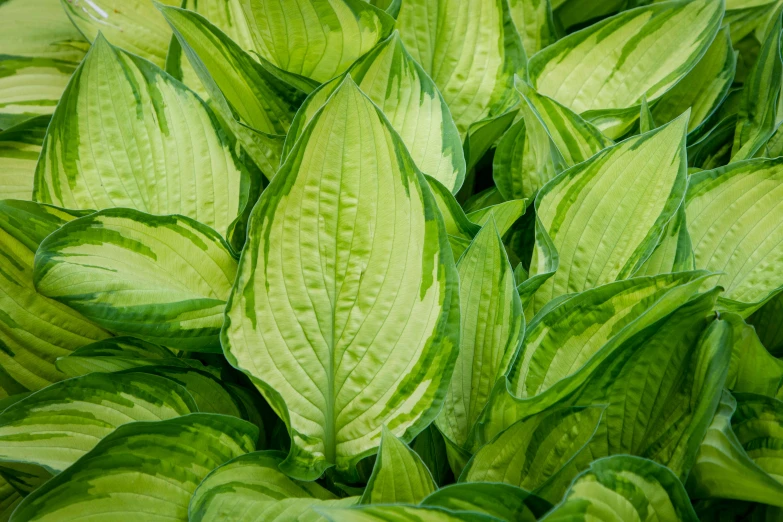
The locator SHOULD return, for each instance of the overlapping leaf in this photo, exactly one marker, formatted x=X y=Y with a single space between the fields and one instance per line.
x=342 y=344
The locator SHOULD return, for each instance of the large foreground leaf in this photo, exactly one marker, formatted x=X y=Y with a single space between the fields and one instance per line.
x=603 y=71
x=34 y=330
x=318 y=39
x=735 y=220
x=345 y=310
x=56 y=426
x=143 y=470
x=128 y=135
x=164 y=279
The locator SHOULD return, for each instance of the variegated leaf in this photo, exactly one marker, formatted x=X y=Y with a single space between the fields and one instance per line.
x=20 y=147
x=303 y=314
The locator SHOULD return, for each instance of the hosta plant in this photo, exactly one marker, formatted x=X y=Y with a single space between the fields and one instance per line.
x=391 y=260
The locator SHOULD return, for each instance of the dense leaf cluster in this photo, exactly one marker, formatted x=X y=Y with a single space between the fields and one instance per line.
x=391 y=260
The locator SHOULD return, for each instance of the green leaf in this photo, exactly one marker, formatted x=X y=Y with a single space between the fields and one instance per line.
x=34 y=330
x=20 y=147
x=251 y=487
x=723 y=469
x=318 y=39
x=625 y=488
x=499 y=500
x=328 y=273
x=9 y=499
x=534 y=22
x=735 y=224
x=114 y=355
x=492 y=328
x=164 y=279
x=758 y=115
x=569 y=339
x=532 y=450
x=399 y=475
x=207 y=391
x=504 y=214
x=674 y=252
x=474 y=71
x=127 y=135
x=459 y=228
x=52 y=35
x=143 y=470
x=646 y=119
x=251 y=96
x=603 y=71
x=54 y=427
x=401 y=513
x=398 y=85
x=704 y=88
x=524 y=159
x=601 y=239
x=768 y=326
x=753 y=369
x=576 y=140
x=30 y=87
x=431 y=447
x=758 y=424
x=135 y=26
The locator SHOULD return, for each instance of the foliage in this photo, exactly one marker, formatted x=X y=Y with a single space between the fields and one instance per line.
x=391 y=260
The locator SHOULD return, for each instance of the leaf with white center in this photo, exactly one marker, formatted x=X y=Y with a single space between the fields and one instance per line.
x=625 y=488
x=758 y=115
x=735 y=220
x=57 y=425
x=399 y=475
x=30 y=87
x=318 y=39
x=245 y=92
x=492 y=327
x=753 y=369
x=474 y=70
x=704 y=88
x=143 y=470
x=128 y=135
x=606 y=215
x=723 y=468
x=114 y=355
x=34 y=330
x=401 y=513
x=602 y=71
x=531 y=451
x=674 y=252
x=133 y=25
x=499 y=500
x=164 y=279
x=20 y=147
x=534 y=22
x=345 y=308
x=576 y=140
x=412 y=103
x=252 y=488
